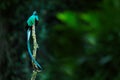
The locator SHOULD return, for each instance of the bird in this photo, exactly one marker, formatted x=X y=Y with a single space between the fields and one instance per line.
x=32 y=20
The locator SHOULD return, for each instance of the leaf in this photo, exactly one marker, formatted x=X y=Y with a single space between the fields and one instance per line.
x=69 y=18
x=91 y=18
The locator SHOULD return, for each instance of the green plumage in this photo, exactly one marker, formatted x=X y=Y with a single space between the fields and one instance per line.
x=31 y=20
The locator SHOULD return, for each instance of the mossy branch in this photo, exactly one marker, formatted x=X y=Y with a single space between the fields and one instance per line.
x=35 y=46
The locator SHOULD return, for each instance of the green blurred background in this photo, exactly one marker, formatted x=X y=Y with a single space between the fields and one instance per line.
x=78 y=39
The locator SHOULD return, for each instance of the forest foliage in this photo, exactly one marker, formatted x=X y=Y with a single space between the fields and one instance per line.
x=78 y=39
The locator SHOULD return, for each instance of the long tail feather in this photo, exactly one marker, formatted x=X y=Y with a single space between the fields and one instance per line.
x=29 y=50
